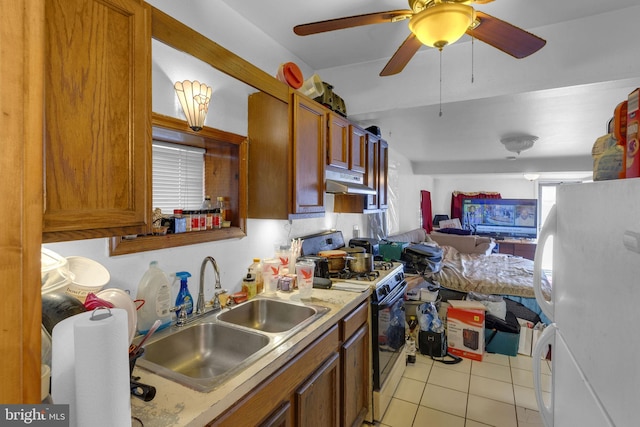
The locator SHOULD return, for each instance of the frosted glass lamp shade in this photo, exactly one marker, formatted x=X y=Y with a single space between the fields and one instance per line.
x=441 y=24
x=194 y=98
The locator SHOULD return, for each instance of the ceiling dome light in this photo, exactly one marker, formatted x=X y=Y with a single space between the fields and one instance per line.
x=442 y=24
x=531 y=176
x=518 y=143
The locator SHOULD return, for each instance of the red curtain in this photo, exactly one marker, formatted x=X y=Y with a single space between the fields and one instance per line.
x=425 y=209
x=457 y=196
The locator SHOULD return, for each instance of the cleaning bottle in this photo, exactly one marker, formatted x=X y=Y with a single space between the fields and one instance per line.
x=154 y=290
x=184 y=297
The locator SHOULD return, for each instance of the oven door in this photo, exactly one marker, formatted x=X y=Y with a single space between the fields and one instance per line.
x=388 y=333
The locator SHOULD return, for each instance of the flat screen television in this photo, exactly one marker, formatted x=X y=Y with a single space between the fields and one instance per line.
x=500 y=218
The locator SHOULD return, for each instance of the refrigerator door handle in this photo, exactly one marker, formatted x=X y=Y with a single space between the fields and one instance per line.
x=546 y=338
x=548 y=229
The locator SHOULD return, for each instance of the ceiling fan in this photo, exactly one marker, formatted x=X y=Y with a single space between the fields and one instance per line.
x=437 y=23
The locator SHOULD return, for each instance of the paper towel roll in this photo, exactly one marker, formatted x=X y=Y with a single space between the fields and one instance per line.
x=103 y=393
x=63 y=374
x=90 y=368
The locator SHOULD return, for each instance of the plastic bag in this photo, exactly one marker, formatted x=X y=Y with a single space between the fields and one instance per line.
x=428 y=318
x=495 y=304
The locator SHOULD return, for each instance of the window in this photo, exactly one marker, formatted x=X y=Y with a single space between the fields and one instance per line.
x=178 y=176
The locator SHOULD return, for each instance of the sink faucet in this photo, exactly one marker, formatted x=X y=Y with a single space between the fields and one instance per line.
x=200 y=302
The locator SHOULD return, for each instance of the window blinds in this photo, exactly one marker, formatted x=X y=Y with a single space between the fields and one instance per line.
x=178 y=177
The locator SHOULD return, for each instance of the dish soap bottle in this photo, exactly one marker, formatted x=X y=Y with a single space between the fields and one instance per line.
x=155 y=291
x=184 y=297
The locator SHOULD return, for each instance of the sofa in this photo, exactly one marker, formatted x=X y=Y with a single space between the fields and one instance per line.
x=464 y=244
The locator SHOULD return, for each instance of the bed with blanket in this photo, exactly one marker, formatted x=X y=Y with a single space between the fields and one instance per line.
x=468 y=265
x=493 y=274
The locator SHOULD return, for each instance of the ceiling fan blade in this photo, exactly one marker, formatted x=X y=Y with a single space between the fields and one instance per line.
x=403 y=55
x=351 y=21
x=506 y=37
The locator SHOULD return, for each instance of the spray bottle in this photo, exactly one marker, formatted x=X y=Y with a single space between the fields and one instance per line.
x=184 y=297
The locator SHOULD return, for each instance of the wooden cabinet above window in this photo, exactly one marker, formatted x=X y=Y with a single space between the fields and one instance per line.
x=97 y=118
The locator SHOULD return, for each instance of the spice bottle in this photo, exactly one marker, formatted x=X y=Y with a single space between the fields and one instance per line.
x=249 y=285
x=206 y=214
x=223 y=208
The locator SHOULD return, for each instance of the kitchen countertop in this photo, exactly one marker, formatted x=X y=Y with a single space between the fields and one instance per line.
x=178 y=405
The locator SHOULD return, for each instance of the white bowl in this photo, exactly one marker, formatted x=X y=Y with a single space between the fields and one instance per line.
x=88 y=276
x=121 y=299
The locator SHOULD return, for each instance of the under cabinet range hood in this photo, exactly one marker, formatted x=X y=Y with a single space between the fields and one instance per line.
x=346 y=183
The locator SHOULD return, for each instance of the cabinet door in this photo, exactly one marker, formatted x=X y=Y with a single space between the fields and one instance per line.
x=357 y=149
x=97 y=118
x=338 y=141
x=309 y=119
x=383 y=173
x=317 y=400
x=371 y=175
x=279 y=418
x=354 y=359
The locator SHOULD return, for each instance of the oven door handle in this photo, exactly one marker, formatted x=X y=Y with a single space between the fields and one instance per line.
x=392 y=298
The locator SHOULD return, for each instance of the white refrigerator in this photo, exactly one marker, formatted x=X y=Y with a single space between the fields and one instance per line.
x=595 y=306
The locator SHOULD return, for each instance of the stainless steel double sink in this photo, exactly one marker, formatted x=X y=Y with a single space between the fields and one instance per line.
x=218 y=345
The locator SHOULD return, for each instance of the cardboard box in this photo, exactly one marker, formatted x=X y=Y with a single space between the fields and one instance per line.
x=392 y=250
x=633 y=137
x=465 y=329
x=525 y=343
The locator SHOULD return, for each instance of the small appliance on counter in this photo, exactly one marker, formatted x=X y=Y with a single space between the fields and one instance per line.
x=370 y=245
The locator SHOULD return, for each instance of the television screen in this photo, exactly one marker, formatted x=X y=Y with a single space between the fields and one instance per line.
x=501 y=217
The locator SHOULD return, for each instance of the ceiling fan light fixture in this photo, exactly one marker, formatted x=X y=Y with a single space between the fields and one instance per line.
x=442 y=24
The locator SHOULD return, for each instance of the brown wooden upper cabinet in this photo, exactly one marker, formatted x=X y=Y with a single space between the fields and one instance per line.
x=338 y=141
x=97 y=118
x=357 y=148
x=376 y=171
x=287 y=146
x=346 y=144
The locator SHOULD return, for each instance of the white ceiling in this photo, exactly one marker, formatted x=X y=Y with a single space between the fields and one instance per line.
x=564 y=94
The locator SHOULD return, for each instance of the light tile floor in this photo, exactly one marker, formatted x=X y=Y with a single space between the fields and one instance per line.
x=495 y=392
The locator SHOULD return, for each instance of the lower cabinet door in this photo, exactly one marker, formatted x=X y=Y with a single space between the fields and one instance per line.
x=318 y=399
x=355 y=377
x=278 y=418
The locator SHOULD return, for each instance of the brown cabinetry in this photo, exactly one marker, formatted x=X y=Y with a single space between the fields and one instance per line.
x=355 y=367
x=346 y=144
x=301 y=388
x=518 y=248
x=357 y=148
x=337 y=141
x=376 y=170
x=317 y=400
x=287 y=157
x=326 y=384
x=97 y=118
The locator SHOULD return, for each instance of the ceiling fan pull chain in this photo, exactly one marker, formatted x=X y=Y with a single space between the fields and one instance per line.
x=472 y=51
x=440 y=114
